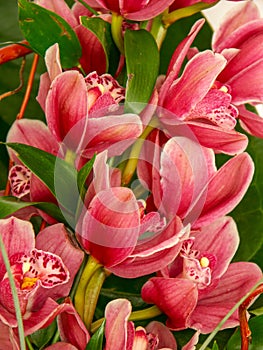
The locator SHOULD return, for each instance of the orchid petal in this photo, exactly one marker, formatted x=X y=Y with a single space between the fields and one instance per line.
x=44 y=316
x=52 y=60
x=111 y=225
x=93 y=55
x=61 y=8
x=155 y=253
x=8 y=339
x=55 y=239
x=34 y=133
x=226 y=141
x=222 y=196
x=192 y=342
x=165 y=336
x=195 y=82
x=183 y=174
x=213 y=238
x=117 y=313
x=66 y=106
x=115 y=133
x=11 y=229
x=211 y=308
x=71 y=328
x=175 y=297
x=137 y=11
x=251 y=122
x=237 y=17
x=19 y=177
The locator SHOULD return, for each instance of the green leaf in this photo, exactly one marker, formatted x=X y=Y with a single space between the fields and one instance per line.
x=42 y=337
x=96 y=340
x=256 y=327
x=9 y=205
x=135 y=299
x=249 y=213
x=215 y=346
x=83 y=175
x=142 y=60
x=102 y=30
x=43 y=28
x=59 y=176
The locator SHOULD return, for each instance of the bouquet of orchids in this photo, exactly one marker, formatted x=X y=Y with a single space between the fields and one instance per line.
x=131 y=181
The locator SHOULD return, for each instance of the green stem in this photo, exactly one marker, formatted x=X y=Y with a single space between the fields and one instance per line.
x=158 y=30
x=131 y=164
x=19 y=319
x=92 y=293
x=77 y=278
x=28 y=343
x=175 y=15
x=79 y=299
x=70 y=157
x=116 y=31
x=139 y=315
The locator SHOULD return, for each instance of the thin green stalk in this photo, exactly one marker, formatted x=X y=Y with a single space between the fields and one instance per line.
x=175 y=15
x=116 y=31
x=19 y=319
x=92 y=293
x=158 y=30
x=79 y=299
x=77 y=278
x=212 y=335
x=28 y=343
x=132 y=162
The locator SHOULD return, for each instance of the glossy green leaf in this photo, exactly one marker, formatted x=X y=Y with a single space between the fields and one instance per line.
x=43 y=28
x=42 y=337
x=9 y=205
x=102 y=30
x=249 y=213
x=59 y=176
x=96 y=340
x=142 y=60
x=256 y=327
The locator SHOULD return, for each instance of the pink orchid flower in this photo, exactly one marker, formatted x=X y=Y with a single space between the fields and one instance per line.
x=197 y=100
x=133 y=10
x=84 y=113
x=113 y=227
x=200 y=287
x=121 y=334
x=43 y=271
x=23 y=183
x=183 y=180
x=239 y=39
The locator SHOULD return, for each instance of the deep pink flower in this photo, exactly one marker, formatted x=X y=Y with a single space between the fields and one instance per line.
x=132 y=9
x=23 y=183
x=121 y=334
x=197 y=100
x=112 y=227
x=83 y=112
x=239 y=39
x=183 y=180
x=200 y=287
x=41 y=276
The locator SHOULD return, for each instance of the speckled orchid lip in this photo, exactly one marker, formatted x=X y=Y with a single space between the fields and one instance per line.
x=19 y=177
